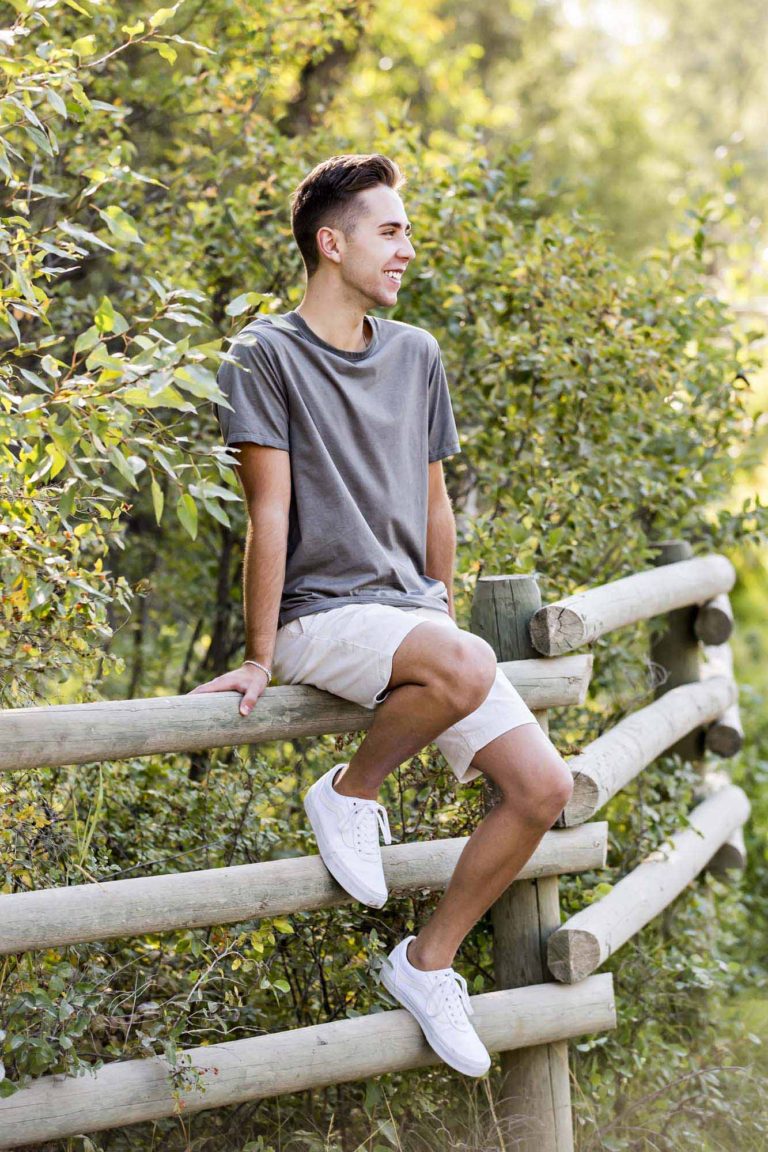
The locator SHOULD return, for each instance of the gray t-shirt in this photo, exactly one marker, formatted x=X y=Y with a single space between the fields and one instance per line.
x=360 y=428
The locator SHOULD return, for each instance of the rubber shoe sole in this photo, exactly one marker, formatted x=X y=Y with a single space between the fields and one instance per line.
x=348 y=880
x=468 y=1067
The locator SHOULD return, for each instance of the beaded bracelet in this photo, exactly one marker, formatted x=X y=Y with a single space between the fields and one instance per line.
x=267 y=670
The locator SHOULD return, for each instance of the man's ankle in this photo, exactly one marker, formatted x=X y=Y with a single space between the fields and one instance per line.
x=352 y=789
x=425 y=962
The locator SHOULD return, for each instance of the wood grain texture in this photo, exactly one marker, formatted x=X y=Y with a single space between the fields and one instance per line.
x=578 y=620
x=591 y=936
x=82 y=912
x=112 y=730
x=135 y=1091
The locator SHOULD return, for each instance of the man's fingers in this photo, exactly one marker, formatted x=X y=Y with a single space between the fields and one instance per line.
x=251 y=697
x=251 y=687
x=229 y=682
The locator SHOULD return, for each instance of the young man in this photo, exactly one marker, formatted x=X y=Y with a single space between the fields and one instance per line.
x=342 y=420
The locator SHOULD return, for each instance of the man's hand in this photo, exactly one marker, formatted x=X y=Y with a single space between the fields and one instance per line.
x=248 y=679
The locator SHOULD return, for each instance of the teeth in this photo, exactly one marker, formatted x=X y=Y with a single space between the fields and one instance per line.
x=397 y=276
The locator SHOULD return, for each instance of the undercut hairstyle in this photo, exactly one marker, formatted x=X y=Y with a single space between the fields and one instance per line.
x=327 y=197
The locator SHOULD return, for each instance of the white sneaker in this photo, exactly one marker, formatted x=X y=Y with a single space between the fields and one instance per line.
x=440 y=1003
x=347 y=832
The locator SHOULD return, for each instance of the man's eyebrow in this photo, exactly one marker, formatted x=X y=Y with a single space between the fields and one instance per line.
x=396 y=224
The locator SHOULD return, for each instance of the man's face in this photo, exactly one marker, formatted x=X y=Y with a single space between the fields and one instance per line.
x=376 y=253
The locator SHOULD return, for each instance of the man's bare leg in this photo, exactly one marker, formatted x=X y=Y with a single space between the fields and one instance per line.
x=438 y=678
x=535 y=784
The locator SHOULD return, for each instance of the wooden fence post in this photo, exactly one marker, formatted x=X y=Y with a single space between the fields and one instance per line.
x=676 y=650
x=535 y=1105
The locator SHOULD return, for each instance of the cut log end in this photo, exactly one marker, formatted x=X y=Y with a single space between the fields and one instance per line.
x=724 y=739
x=556 y=630
x=714 y=620
x=572 y=955
x=587 y=798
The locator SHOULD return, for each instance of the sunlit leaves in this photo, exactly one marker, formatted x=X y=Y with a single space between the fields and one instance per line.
x=186 y=510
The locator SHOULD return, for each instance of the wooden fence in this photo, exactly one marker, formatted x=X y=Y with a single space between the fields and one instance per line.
x=546 y=991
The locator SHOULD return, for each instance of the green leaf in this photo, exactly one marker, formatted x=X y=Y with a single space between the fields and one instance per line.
x=247 y=300
x=123 y=466
x=120 y=224
x=160 y=17
x=186 y=510
x=42 y=139
x=87 y=340
x=157 y=499
x=56 y=102
x=85 y=46
x=167 y=52
x=51 y=366
x=217 y=513
x=197 y=380
x=167 y=398
x=104 y=316
x=79 y=233
x=67 y=501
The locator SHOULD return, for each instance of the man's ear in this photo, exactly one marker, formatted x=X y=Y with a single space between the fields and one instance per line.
x=328 y=244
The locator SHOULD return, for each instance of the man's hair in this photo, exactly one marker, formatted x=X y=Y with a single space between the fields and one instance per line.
x=327 y=197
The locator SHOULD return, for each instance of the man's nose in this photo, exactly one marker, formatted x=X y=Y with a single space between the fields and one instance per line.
x=407 y=249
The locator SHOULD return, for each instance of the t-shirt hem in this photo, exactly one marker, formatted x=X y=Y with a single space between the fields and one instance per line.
x=258 y=438
x=441 y=453
x=325 y=605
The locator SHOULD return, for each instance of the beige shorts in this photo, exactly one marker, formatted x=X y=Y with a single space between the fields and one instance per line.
x=349 y=651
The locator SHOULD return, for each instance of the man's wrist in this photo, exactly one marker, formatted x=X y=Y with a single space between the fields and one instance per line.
x=265 y=668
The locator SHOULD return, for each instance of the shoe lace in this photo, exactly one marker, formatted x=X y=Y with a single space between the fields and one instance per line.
x=367 y=819
x=450 y=994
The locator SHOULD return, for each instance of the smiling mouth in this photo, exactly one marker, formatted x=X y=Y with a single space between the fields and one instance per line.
x=395 y=277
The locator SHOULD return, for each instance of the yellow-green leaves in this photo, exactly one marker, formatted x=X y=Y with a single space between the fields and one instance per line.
x=85 y=46
x=120 y=224
x=186 y=510
x=158 y=500
x=246 y=301
x=161 y=16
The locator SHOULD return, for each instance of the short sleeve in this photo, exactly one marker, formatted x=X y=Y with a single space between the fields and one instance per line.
x=443 y=435
x=257 y=394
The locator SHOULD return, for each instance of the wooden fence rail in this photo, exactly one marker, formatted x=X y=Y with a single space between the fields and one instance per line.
x=128 y=1092
x=51 y=917
x=609 y=763
x=58 y=734
x=591 y=936
x=580 y=619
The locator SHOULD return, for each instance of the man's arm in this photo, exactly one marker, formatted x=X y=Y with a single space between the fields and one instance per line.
x=265 y=476
x=441 y=532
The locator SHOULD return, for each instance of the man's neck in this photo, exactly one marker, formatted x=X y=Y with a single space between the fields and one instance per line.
x=340 y=324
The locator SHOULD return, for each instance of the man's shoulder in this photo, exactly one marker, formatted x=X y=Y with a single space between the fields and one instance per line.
x=398 y=329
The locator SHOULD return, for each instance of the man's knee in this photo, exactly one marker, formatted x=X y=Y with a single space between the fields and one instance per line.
x=457 y=665
x=467 y=670
x=550 y=791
